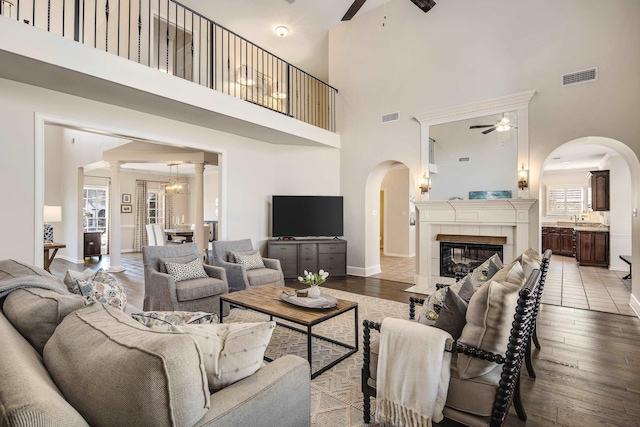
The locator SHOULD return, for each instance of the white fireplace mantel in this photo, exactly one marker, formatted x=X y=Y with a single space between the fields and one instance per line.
x=493 y=217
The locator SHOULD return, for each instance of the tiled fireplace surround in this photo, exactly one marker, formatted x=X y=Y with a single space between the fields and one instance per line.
x=496 y=217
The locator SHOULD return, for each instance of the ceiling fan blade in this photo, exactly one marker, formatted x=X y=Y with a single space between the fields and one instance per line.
x=424 y=5
x=489 y=130
x=481 y=126
x=353 y=9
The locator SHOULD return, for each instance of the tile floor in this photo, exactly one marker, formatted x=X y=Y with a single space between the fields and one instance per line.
x=589 y=288
x=567 y=284
x=398 y=269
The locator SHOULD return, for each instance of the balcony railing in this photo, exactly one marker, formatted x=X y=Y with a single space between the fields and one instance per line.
x=174 y=39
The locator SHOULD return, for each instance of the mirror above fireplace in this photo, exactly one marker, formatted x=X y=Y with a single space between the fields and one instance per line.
x=476 y=154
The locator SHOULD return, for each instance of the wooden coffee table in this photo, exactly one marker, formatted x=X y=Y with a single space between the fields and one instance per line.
x=266 y=299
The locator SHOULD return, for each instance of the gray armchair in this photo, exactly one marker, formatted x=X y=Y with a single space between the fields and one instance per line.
x=163 y=293
x=238 y=277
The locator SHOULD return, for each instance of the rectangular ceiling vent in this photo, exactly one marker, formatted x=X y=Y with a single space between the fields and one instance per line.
x=580 y=76
x=391 y=117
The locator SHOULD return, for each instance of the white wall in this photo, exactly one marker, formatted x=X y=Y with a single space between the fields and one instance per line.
x=253 y=170
x=620 y=218
x=462 y=51
x=397 y=236
x=485 y=152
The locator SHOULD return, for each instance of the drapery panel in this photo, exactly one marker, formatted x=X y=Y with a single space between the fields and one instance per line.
x=141 y=238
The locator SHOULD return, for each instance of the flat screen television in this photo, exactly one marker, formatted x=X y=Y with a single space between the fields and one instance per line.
x=307 y=216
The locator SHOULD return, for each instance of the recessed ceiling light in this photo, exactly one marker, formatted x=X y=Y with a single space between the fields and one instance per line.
x=281 y=31
x=566 y=161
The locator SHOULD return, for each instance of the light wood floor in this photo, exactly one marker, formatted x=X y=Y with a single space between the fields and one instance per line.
x=588 y=370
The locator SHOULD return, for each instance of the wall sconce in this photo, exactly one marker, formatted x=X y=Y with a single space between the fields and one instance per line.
x=523 y=178
x=425 y=184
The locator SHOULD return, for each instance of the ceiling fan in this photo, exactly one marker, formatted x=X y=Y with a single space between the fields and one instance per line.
x=503 y=125
x=424 y=5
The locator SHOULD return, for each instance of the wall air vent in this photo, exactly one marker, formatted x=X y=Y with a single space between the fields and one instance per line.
x=580 y=76
x=391 y=117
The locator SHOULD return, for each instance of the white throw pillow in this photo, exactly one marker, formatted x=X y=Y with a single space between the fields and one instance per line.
x=232 y=351
x=186 y=271
x=489 y=318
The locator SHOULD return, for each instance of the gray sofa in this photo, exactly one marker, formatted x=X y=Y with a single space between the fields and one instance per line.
x=64 y=363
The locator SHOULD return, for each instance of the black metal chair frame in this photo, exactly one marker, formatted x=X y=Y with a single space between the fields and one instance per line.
x=508 y=390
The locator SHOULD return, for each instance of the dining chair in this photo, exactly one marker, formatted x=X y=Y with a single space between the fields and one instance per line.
x=158 y=231
x=151 y=238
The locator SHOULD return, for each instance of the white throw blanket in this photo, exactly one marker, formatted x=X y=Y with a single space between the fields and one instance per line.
x=413 y=373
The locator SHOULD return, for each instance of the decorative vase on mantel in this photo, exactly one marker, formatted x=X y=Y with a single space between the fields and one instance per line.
x=314 y=291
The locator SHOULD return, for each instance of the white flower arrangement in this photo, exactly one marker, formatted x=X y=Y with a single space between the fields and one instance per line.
x=314 y=279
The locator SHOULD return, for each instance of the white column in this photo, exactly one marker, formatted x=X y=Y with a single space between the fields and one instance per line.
x=114 y=201
x=198 y=189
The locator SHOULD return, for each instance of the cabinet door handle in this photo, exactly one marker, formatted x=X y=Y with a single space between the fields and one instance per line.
x=91 y=243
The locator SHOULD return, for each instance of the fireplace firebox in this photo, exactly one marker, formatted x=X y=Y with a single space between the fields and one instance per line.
x=459 y=259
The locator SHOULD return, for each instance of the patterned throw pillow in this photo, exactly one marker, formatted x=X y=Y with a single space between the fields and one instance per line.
x=232 y=351
x=186 y=271
x=103 y=288
x=481 y=273
x=432 y=306
x=250 y=261
x=164 y=319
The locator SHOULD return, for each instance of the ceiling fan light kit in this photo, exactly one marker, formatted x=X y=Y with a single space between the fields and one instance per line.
x=503 y=125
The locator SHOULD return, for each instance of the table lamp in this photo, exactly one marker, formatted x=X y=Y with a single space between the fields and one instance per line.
x=51 y=214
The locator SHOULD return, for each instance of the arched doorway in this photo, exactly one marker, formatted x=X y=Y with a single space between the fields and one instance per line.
x=390 y=230
x=566 y=168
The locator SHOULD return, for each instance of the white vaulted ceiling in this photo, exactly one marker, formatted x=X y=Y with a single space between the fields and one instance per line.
x=308 y=22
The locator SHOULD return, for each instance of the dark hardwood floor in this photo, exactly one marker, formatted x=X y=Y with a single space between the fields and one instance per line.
x=588 y=370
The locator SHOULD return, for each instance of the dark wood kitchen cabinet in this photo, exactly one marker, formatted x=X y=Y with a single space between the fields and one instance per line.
x=559 y=239
x=592 y=248
x=600 y=190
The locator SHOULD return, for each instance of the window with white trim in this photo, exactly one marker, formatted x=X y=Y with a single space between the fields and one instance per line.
x=155 y=207
x=565 y=200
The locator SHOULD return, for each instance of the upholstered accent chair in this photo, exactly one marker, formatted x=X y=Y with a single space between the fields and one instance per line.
x=482 y=400
x=239 y=276
x=163 y=293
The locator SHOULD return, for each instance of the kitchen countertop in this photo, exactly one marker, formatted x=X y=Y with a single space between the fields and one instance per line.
x=582 y=226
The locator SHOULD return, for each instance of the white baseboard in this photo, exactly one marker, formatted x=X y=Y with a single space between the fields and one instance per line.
x=72 y=260
x=400 y=255
x=126 y=251
x=363 y=272
x=635 y=305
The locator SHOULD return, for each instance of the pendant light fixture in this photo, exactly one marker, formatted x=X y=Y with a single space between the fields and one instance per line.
x=175 y=185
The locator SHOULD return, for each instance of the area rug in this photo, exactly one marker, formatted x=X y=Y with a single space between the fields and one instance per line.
x=336 y=396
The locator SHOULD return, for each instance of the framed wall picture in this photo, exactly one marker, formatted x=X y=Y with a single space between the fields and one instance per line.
x=126 y=208
x=126 y=198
